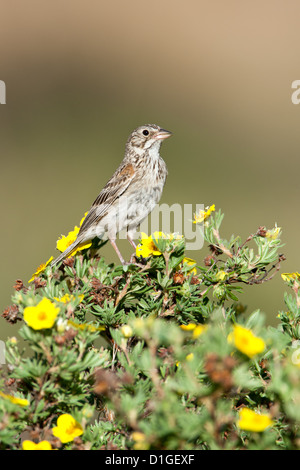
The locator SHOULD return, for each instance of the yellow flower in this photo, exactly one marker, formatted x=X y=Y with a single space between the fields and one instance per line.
x=140 y=441
x=13 y=340
x=85 y=326
x=65 y=241
x=196 y=329
x=15 y=400
x=249 y=420
x=43 y=315
x=290 y=276
x=221 y=276
x=245 y=341
x=67 y=298
x=126 y=331
x=147 y=246
x=67 y=428
x=172 y=236
x=274 y=233
x=190 y=357
x=40 y=269
x=30 y=445
x=199 y=330
x=138 y=436
x=203 y=214
x=188 y=327
x=190 y=262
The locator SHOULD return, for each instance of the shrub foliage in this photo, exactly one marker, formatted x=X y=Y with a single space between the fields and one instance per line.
x=159 y=354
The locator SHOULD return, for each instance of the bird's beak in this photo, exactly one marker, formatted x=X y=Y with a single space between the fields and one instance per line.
x=162 y=134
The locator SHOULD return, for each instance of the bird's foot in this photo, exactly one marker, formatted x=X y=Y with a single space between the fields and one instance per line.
x=133 y=261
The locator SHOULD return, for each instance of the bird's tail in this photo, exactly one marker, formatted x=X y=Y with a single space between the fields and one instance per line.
x=66 y=252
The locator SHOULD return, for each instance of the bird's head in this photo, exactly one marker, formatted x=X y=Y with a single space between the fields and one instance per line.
x=146 y=137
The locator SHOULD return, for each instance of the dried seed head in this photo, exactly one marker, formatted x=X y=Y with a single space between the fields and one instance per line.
x=39 y=282
x=96 y=284
x=69 y=262
x=11 y=314
x=208 y=261
x=20 y=286
x=178 y=278
x=215 y=250
x=261 y=232
x=105 y=381
x=220 y=369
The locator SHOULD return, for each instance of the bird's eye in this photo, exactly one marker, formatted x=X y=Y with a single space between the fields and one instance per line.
x=145 y=132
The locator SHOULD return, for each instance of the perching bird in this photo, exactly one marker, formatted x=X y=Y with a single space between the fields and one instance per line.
x=130 y=195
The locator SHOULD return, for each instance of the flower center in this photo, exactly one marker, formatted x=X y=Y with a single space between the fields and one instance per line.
x=70 y=429
x=245 y=340
x=42 y=316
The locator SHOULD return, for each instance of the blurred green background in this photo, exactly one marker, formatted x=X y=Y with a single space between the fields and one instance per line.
x=80 y=75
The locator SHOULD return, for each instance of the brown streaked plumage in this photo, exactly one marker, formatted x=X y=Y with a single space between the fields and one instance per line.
x=131 y=193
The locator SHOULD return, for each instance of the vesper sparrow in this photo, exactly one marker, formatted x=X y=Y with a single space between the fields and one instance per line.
x=130 y=195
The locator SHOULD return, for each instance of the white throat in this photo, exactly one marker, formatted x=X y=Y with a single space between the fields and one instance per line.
x=153 y=151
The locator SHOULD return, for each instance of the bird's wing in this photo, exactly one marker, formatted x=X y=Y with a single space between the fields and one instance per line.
x=113 y=189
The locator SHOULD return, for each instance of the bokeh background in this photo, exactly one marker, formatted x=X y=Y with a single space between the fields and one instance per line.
x=80 y=75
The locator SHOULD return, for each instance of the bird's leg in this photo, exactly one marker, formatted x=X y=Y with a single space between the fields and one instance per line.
x=133 y=259
x=131 y=241
x=113 y=242
x=114 y=245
